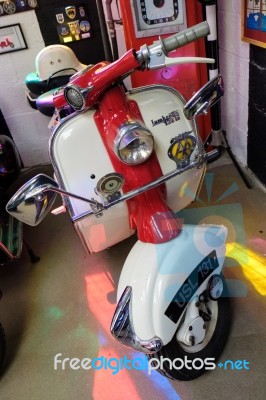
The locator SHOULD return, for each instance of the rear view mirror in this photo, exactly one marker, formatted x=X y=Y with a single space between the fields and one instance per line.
x=205 y=98
x=33 y=201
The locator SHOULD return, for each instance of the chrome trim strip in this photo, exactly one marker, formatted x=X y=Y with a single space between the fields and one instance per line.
x=52 y=157
x=123 y=331
x=155 y=86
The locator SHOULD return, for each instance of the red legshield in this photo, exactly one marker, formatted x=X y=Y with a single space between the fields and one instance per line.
x=149 y=213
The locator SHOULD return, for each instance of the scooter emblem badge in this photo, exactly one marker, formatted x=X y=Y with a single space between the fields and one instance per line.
x=182 y=147
x=71 y=12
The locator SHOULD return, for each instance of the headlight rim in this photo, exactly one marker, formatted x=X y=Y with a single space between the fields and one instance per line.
x=130 y=127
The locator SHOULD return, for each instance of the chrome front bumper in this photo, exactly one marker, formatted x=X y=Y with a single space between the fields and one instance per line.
x=123 y=331
x=98 y=208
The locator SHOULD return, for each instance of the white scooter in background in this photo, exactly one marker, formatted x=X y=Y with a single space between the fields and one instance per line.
x=54 y=65
x=122 y=163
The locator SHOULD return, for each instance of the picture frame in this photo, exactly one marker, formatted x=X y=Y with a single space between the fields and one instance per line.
x=254 y=22
x=73 y=23
x=11 y=39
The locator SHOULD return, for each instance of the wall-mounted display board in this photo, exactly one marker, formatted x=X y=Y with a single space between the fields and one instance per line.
x=73 y=23
x=11 y=39
x=88 y=51
x=254 y=22
x=9 y=7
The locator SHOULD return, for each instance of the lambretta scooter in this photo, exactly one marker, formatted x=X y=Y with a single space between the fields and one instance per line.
x=123 y=163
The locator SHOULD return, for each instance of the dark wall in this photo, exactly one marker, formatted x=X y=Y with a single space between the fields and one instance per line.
x=88 y=51
x=257 y=112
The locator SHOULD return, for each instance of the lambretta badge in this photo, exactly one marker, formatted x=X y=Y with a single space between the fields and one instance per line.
x=168 y=119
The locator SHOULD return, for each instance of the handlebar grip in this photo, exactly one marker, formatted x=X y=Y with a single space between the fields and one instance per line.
x=187 y=36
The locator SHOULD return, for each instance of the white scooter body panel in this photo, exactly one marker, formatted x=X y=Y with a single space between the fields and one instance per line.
x=162 y=111
x=157 y=272
x=77 y=153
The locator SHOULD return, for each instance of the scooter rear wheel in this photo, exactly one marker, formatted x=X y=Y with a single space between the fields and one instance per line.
x=2 y=345
x=211 y=347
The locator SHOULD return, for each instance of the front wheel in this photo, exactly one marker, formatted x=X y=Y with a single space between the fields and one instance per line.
x=183 y=362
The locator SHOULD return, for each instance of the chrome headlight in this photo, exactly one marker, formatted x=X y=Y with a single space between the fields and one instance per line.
x=74 y=97
x=133 y=143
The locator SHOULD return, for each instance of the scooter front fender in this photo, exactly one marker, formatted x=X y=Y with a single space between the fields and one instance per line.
x=160 y=279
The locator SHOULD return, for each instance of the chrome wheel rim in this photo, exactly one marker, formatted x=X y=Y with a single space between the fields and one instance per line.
x=210 y=328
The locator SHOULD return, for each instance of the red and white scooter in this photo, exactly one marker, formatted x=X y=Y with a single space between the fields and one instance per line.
x=122 y=162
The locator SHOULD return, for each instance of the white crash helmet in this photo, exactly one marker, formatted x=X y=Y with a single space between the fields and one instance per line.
x=55 y=58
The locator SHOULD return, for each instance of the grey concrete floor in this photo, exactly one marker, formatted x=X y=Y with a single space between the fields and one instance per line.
x=64 y=304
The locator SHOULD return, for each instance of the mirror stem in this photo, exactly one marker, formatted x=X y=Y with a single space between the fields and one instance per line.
x=64 y=192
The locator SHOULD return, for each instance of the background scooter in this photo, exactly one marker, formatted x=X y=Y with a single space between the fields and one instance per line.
x=2 y=342
x=54 y=64
x=11 y=229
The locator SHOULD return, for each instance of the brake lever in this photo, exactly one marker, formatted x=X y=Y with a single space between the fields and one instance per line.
x=162 y=61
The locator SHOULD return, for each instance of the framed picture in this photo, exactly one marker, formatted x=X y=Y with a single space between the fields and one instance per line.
x=254 y=22
x=11 y=39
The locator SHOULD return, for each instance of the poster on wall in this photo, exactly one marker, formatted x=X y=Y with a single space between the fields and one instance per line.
x=254 y=22
x=11 y=39
x=73 y=23
x=9 y=7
